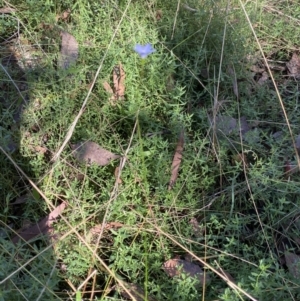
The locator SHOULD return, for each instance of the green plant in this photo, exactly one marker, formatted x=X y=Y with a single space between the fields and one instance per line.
x=232 y=208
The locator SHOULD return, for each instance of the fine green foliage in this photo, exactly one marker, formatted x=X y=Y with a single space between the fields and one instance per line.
x=233 y=208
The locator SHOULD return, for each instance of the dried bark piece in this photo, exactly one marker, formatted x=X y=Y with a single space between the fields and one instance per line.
x=90 y=152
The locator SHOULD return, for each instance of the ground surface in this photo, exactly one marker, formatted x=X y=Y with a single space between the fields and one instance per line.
x=172 y=176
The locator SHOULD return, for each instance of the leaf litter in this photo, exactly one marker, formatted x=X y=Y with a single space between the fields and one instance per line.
x=293 y=263
x=118 y=91
x=107 y=226
x=293 y=66
x=43 y=227
x=95 y=231
x=90 y=152
x=176 y=160
x=198 y=231
x=69 y=50
x=64 y=16
x=227 y=125
x=176 y=267
x=7 y=10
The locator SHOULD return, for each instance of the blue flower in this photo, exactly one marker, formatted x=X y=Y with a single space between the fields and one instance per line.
x=144 y=50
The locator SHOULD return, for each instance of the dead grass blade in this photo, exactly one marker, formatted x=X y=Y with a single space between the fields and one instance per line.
x=176 y=160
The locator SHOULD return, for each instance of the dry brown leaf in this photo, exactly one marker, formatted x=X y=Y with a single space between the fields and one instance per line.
x=264 y=77
x=158 y=15
x=290 y=168
x=176 y=160
x=40 y=149
x=118 y=90
x=69 y=50
x=293 y=263
x=119 y=82
x=227 y=125
x=21 y=199
x=6 y=10
x=257 y=69
x=66 y=14
x=135 y=290
x=90 y=152
x=108 y=89
x=112 y=225
x=175 y=267
x=119 y=180
x=294 y=65
x=43 y=227
x=197 y=229
x=94 y=232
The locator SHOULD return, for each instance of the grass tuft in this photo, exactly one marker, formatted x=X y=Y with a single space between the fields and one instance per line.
x=224 y=76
